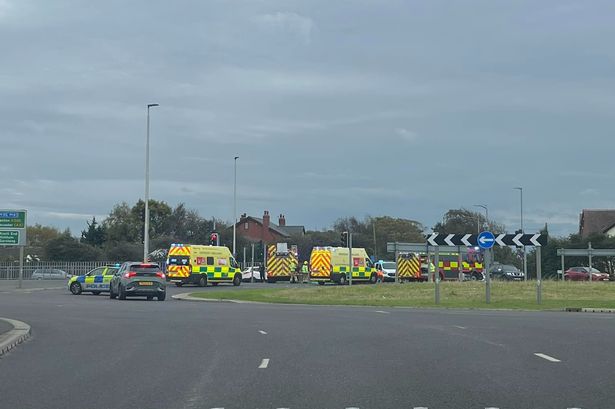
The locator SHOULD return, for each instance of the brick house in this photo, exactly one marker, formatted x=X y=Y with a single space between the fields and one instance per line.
x=262 y=229
x=597 y=221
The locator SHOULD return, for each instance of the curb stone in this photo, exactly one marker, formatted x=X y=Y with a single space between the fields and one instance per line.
x=578 y=309
x=9 y=340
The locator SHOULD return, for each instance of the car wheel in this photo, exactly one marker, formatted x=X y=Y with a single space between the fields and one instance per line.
x=162 y=296
x=179 y=284
x=342 y=280
x=237 y=280
x=202 y=281
x=150 y=297
x=321 y=283
x=214 y=284
x=122 y=292
x=75 y=288
x=96 y=292
x=373 y=279
x=112 y=295
x=271 y=280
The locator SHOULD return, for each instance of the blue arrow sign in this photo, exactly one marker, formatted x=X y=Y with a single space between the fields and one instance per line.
x=486 y=240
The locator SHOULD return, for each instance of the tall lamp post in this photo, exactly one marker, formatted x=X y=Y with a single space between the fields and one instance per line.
x=520 y=189
x=235 y=208
x=146 y=227
x=482 y=206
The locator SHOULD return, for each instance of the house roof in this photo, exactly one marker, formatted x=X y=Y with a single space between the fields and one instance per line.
x=596 y=221
x=272 y=226
x=293 y=230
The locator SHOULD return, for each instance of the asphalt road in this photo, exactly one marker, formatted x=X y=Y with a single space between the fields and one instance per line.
x=91 y=352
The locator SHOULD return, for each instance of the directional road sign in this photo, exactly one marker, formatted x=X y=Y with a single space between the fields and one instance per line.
x=471 y=240
x=486 y=240
x=9 y=237
x=13 y=227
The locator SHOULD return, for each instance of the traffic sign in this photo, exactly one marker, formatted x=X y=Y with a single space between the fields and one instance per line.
x=13 y=219
x=471 y=240
x=486 y=240
x=13 y=227
x=9 y=237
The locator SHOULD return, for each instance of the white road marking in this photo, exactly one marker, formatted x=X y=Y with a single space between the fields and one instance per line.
x=460 y=327
x=352 y=407
x=264 y=364
x=490 y=407
x=262 y=332
x=420 y=407
x=381 y=312
x=547 y=357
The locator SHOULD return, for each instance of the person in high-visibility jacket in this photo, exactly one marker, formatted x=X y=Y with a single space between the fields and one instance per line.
x=305 y=270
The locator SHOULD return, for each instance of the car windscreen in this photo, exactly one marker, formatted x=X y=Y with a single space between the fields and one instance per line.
x=137 y=268
x=389 y=265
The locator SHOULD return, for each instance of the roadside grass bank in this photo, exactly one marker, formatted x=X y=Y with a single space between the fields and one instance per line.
x=504 y=295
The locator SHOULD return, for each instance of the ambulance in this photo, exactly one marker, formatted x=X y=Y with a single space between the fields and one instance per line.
x=201 y=265
x=330 y=264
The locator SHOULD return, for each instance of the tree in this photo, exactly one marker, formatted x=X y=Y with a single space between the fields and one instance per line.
x=464 y=221
x=120 y=225
x=67 y=248
x=95 y=234
x=159 y=213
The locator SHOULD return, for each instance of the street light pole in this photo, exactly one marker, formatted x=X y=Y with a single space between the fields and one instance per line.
x=146 y=227
x=486 y=212
x=520 y=189
x=235 y=208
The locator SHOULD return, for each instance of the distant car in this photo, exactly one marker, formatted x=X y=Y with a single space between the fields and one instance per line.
x=49 y=274
x=138 y=279
x=388 y=269
x=251 y=272
x=582 y=274
x=95 y=281
x=506 y=272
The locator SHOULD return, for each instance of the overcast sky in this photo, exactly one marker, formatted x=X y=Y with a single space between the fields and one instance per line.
x=336 y=108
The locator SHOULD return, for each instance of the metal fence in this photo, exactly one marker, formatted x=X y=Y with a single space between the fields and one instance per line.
x=10 y=271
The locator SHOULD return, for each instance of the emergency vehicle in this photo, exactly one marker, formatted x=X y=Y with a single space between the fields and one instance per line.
x=448 y=266
x=330 y=264
x=409 y=267
x=201 y=265
x=279 y=261
x=95 y=281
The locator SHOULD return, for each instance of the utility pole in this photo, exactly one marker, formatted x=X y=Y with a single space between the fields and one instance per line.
x=146 y=224
x=520 y=189
x=350 y=256
x=235 y=208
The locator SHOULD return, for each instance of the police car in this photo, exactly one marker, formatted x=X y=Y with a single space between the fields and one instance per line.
x=95 y=281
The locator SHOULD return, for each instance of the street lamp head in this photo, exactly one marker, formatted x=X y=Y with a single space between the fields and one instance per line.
x=517 y=188
x=236 y=157
x=152 y=105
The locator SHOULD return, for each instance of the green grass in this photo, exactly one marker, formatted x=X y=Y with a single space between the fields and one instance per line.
x=555 y=295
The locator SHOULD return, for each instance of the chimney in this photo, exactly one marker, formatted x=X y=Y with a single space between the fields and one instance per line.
x=243 y=216
x=282 y=220
x=266 y=219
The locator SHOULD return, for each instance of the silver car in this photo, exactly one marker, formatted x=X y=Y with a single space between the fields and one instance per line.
x=49 y=274
x=138 y=279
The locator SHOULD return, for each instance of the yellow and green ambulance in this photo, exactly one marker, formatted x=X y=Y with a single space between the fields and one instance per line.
x=201 y=265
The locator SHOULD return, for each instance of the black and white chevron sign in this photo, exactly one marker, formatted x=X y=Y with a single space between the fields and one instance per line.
x=470 y=240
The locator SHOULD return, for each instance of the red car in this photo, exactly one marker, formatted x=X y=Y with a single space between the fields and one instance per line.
x=582 y=274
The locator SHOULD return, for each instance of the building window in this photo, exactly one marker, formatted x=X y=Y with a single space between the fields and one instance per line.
x=246 y=225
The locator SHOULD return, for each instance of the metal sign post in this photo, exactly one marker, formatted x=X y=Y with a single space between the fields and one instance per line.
x=436 y=276
x=460 y=263
x=252 y=264
x=538 y=276
x=396 y=261
x=350 y=257
x=486 y=240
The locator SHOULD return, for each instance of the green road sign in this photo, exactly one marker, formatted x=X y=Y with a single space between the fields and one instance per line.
x=12 y=219
x=9 y=237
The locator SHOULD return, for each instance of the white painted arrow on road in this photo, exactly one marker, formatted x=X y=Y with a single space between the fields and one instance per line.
x=432 y=239
x=517 y=241
x=499 y=240
x=534 y=240
x=465 y=240
x=448 y=240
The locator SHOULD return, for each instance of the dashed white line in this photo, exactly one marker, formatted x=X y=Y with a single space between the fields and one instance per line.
x=262 y=332
x=264 y=363
x=547 y=357
x=420 y=407
x=460 y=327
x=379 y=312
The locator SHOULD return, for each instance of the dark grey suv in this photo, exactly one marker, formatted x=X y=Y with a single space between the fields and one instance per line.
x=138 y=279
x=506 y=272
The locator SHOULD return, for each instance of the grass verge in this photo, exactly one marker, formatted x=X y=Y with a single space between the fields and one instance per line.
x=555 y=295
